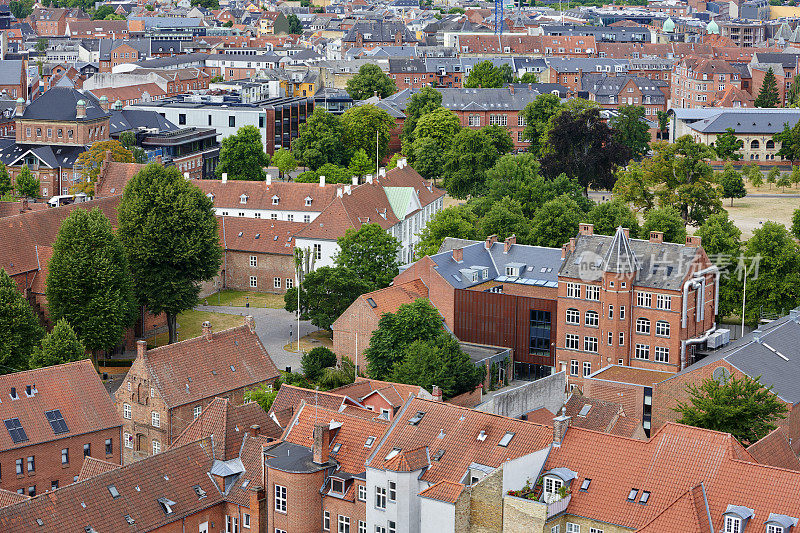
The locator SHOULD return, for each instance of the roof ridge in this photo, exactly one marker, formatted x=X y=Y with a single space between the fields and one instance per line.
x=160 y=349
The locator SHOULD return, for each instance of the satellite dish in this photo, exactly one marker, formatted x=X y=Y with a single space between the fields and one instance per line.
x=721 y=375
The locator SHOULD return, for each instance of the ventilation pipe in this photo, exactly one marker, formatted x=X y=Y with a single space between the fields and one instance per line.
x=698 y=280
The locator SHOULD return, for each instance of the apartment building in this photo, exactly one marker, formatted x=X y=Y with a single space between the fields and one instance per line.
x=54 y=417
x=701 y=82
x=611 y=92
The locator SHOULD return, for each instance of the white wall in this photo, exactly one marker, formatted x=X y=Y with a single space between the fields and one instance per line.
x=405 y=511
x=266 y=214
x=517 y=471
x=437 y=516
x=329 y=249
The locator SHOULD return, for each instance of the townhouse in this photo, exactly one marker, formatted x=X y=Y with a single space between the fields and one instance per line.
x=168 y=387
x=701 y=82
x=611 y=92
x=373 y=34
x=54 y=417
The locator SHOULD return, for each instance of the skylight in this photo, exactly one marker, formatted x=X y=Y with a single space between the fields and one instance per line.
x=392 y=454
x=645 y=496
x=15 y=430
x=416 y=419
x=370 y=442
x=114 y=492
x=336 y=447
x=586 y=482
x=129 y=519
x=372 y=303
x=482 y=436
x=506 y=439
x=56 y=421
x=199 y=491
x=438 y=455
x=632 y=494
x=166 y=505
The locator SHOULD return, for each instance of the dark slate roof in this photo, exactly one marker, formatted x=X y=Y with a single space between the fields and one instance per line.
x=169 y=22
x=750 y=121
x=783 y=59
x=661 y=265
x=770 y=352
x=10 y=69
x=586 y=64
x=379 y=32
x=131 y=119
x=54 y=156
x=604 y=87
x=537 y=265
x=140 y=45
x=172 y=61
x=475 y=99
x=59 y=103
x=288 y=457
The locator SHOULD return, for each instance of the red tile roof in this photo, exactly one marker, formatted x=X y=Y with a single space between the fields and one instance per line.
x=390 y=299
x=688 y=514
x=289 y=397
x=394 y=393
x=194 y=369
x=8 y=497
x=775 y=449
x=257 y=235
x=114 y=176
x=292 y=196
x=73 y=388
x=409 y=461
x=8 y=209
x=445 y=491
x=94 y=467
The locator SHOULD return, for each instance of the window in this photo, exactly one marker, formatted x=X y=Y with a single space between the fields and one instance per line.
x=573 y=290
x=231 y=121
x=590 y=344
x=231 y=524
x=733 y=524
x=306 y=219
x=621 y=338
x=87 y=450
x=380 y=529
x=246 y=520
x=197 y=410
x=571 y=341
x=380 y=497
x=392 y=491
x=774 y=529
x=32 y=491
x=556 y=529
x=642 y=351
x=181 y=119
x=644 y=299
x=19 y=467
x=661 y=354
x=344 y=524
x=273 y=216
x=326 y=520
x=109 y=446
x=662 y=328
x=54 y=484
x=337 y=485
x=317 y=251
x=642 y=326
x=280 y=499
x=593 y=293
x=290 y=218
x=362 y=493
x=573 y=316
x=622 y=312
x=610 y=338
x=610 y=311
x=587 y=368
x=155 y=419
x=253 y=281
x=253 y=261
x=156 y=447
x=65 y=456
x=595 y=530
x=573 y=528
x=362 y=527
x=573 y=367
x=663 y=302
x=15 y=430
x=289 y=283
x=592 y=319
x=392 y=527
x=276 y=283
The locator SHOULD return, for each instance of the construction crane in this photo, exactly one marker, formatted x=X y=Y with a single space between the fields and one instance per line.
x=498 y=16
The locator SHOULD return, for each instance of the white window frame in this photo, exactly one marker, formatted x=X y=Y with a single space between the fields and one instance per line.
x=156 y=446
x=380 y=498
x=574 y=367
x=643 y=326
x=590 y=344
x=587 y=368
x=362 y=493
x=573 y=317
x=362 y=526
x=642 y=352
x=343 y=524
x=392 y=486
x=254 y=261
x=572 y=341
x=197 y=410
x=573 y=290
x=660 y=354
x=126 y=411
x=592 y=319
x=326 y=520
x=593 y=293
x=573 y=527
x=662 y=328
x=253 y=282
x=644 y=299
x=664 y=302
x=276 y=283
x=246 y=520
x=155 y=419
x=733 y=524
x=281 y=501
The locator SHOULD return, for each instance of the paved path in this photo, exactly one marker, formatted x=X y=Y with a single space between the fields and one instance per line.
x=272 y=327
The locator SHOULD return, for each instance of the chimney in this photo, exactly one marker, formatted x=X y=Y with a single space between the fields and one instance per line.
x=322 y=181
x=254 y=430
x=368 y=177
x=693 y=240
x=20 y=107
x=530 y=87
x=321 y=445
x=437 y=393
x=104 y=103
x=657 y=236
x=490 y=240
x=560 y=426
x=251 y=323
x=382 y=172
x=458 y=254
x=207 y=330
x=511 y=89
x=355 y=180
x=586 y=229
x=224 y=177
x=338 y=192
x=141 y=348
x=510 y=241
x=80 y=109
x=269 y=179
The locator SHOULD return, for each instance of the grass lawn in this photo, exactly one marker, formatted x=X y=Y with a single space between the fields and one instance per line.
x=190 y=325
x=240 y=298
x=312 y=340
x=749 y=212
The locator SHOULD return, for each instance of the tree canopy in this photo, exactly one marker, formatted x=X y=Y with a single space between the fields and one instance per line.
x=59 y=346
x=768 y=95
x=439 y=362
x=776 y=288
x=456 y=221
x=285 y=161
x=295 y=26
x=789 y=140
x=91 y=160
x=631 y=130
x=606 y=217
x=370 y=80
x=485 y=75
x=728 y=145
x=667 y=220
x=5 y=181
x=370 y=253
x=19 y=325
x=471 y=154
x=320 y=140
x=169 y=232
x=555 y=222
x=316 y=360
x=721 y=240
x=420 y=103
x=27 y=185
x=242 y=155
x=359 y=125
x=731 y=183
x=325 y=294
x=538 y=117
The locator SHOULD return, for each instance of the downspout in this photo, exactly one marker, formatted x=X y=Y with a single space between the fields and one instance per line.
x=698 y=280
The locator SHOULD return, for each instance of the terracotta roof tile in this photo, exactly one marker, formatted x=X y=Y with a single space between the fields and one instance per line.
x=291 y=196
x=775 y=449
x=590 y=413
x=194 y=369
x=394 y=393
x=688 y=514
x=390 y=299
x=409 y=461
x=8 y=497
x=94 y=467
x=8 y=209
x=257 y=235
x=114 y=177
x=289 y=397
x=445 y=491
x=540 y=416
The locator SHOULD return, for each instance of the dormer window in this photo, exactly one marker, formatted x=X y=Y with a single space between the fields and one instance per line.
x=736 y=518
x=733 y=524
x=275 y=200
x=308 y=201
x=512 y=271
x=210 y=196
x=243 y=199
x=337 y=486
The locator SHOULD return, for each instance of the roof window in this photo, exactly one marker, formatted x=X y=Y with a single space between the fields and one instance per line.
x=275 y=200
x=199 y=491
x=482 y=436
x=372 y=303
x=506 y=440
x=370 y=442
x=644 y=497
x=56 y=421
x=438 y=455
x=416 y=419
x=632 y=495
x=336 y=447
x=392 y=454
x=129 y=519
x=16 y=430
x=585 y=485
x=166 y=505
x=114 y=492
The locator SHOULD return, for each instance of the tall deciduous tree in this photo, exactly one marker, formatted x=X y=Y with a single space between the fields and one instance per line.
x=731 y=183
x=295 y=26
x=728 y=145
x=667 y=220
x=721 y=240
x=91 y=160
x=128 y=140
x=742 y=407
x=169 y=231
x=285 y=161
x=789 y=140
x=421 y=103
x=439 y=362
x=663 y=123
x=27 y=186
x=433 y=137
x=776 y=289
x=634 y=185
x=768 y=95
x=471 y=154
x=88 y=280
x=360 y=164
x=359 y=126
x=316 y=360
x=457 y=221
x=320 y=141
x=555 y=222
x=538 y=117
x=608 y=216
x=631 y=130
x=59 y=346
x=504 y=219
x=20 y=327
x=370 y=80
x=371 y=253
x=242 y=156
x=5 y=181
x=325 y=294
x=484 y=75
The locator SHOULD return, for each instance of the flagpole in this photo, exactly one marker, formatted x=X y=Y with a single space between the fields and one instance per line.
x=744 y=297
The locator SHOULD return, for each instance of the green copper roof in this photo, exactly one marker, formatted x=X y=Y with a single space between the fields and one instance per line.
x=399 y=198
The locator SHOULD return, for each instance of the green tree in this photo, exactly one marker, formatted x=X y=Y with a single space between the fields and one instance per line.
x=793 y=96
x=504 y=219
x=538 y=116
x=470 y=155
x=631 y=130
x=777 y=286
x=285 y=161
x=59 y=346
x=438 y=362
x=556 y=222
x=128 y=141
x=102 y=12
x=742 y=407
x=500 y=138
x=420 y=103
x=783 y=181
x=663 y=124
x=333 y=377
x=27 y=185
x=88 y=280
x=325 y=294
x=721 y=240
x=507 y=72
x=418 y=320
x=456 y=221
x=634 y=186
x=731 y=183
x=5 y=181
x=433 y=137
x=439 y=124
x=21 y=9
x=608 y=216
x=20 y=327
x=264 y=395
x=320 y=140
x=169 y=231
x=789 y=140
x=427 y=157
x=359 y=125
x=667 y=220
x=773 y=175
x=242 y=155
x=41 y=43
x=485 y=75
x=295 y=26
x=796 y=224
x=370 y=80
x=529 y=77
x=333 y=174
x=91 y=162
x=728 y=145
x=316 y=360
x=768 y=95
x=794 y=177
x=360 y=164
x=370 y=253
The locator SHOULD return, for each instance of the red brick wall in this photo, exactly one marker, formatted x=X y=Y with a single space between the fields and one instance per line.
x=353 y=330
x=629 y=395
x=237 y=271
x=303 y=502
x=83 y=132
x=356 y=510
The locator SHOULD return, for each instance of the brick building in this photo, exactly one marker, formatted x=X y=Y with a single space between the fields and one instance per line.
x=374 y=34
x=168 y=387
x=702 y=82
x=54 y=417
x=611 y=92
